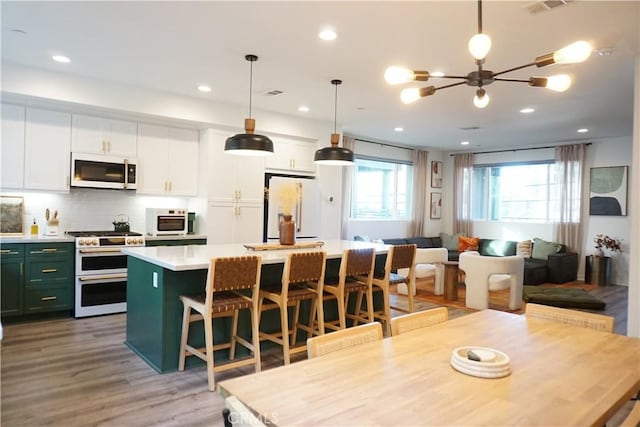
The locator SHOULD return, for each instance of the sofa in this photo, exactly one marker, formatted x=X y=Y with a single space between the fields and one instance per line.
x=548 y=262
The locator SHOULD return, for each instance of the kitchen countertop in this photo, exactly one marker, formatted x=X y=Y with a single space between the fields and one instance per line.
x=37 y=239
x=196 y=257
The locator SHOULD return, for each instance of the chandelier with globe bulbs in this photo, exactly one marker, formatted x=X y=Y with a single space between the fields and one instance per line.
x=479 y=46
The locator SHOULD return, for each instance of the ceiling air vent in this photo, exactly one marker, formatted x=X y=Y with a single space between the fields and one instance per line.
x=272 y=92
x=544 y=6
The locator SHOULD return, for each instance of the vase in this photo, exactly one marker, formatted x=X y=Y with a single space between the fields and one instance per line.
x=287 y=231
x=598 y=252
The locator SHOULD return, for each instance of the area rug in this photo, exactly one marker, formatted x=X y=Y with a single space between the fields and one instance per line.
x=562 y=297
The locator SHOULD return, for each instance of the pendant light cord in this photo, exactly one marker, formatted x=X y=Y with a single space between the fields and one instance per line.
x=250 y=85
x=479 y=16
x=335 y=112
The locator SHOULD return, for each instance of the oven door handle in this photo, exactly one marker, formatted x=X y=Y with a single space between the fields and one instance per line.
x=99 y=250
x=102 y=277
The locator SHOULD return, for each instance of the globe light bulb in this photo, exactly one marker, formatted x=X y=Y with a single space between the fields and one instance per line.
x=396 y=75
x=481 y=99
x=559 y=82
x=479 y=46
x=410 y=95
x=572 y=54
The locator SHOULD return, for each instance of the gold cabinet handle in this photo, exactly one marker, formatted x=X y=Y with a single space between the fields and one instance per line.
x=49 y=250
x=49 y=270
x=5 y=251
x=48 y=298
x=21 y=268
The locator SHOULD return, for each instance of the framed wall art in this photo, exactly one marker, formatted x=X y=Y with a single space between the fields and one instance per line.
x=436 y=174
x=11 y=215
x=436 y=206
x=608 y=191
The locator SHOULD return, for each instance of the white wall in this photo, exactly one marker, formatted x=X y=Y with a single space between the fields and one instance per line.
x=612 y=152
x=633 y=311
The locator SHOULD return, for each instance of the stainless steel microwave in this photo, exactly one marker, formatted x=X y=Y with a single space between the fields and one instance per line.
x=163 y=222
x=97 y=171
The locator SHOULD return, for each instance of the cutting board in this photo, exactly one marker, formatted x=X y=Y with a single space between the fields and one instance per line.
x=278 y=246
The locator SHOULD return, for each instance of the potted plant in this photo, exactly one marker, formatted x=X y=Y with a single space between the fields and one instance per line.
x=288 y=198
x=604 y=241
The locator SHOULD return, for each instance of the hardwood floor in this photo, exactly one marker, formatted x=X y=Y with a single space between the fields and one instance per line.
x=79 y=373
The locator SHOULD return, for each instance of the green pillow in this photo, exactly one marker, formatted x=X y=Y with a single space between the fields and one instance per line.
x=542 y=249
x=450 y=241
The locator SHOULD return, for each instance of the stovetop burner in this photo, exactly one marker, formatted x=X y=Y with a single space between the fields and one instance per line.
x=102 y=233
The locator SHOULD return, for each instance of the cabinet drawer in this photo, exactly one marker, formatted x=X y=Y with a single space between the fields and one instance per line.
x=49 y=271
x=49 y=298
x=12 y=251
x=50 y=250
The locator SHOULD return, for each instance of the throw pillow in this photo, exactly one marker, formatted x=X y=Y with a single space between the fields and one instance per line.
x=467 y=243
x=542 y=249
x=449 y=241
x=524 y=248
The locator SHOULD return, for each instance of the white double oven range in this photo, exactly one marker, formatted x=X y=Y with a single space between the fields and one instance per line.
x=101 y=271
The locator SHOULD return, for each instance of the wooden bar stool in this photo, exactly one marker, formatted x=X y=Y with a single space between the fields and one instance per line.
x=302 y=279
x=399 y=256
x=232 y=285
x=355 y=275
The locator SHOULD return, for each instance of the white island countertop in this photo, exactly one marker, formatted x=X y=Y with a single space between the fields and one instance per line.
x=196 y=257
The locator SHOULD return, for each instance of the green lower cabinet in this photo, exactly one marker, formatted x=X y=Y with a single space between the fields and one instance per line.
x=11 y=279
x=175 y=242
x=37 y=278
x=47 y=298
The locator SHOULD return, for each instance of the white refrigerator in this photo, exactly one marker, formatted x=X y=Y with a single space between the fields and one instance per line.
x=307 y=212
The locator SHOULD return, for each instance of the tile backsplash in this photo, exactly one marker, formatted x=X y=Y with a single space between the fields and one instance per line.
x=94 y=209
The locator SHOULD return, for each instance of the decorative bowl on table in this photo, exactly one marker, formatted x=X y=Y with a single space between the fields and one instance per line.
x=481 y=362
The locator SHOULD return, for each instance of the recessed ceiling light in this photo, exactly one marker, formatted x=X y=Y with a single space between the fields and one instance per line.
x=60 y=58
x=204 y=88
x=583 y=130
x=437 y=74
x=328 y=34
x=398 y=129
x=303 y=108
x=527 y=110
x=464 y=143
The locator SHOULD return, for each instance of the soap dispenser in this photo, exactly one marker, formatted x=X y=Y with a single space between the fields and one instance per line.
x=34 y=228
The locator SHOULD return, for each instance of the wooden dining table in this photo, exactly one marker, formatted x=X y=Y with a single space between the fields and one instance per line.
x=561 y=375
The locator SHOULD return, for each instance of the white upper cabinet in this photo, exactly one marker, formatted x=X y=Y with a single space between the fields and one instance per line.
x=167 y=160
x=12 y=146
x=97 y=135
x=232 y=178
x=47 y=150
x=292 y=156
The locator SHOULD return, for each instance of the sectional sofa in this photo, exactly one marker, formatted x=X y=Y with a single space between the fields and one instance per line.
x=547 y=262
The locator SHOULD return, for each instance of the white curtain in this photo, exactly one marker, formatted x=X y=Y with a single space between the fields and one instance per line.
x=420 y=174
x=569 y=175
x=347 y=179
x=462 y=174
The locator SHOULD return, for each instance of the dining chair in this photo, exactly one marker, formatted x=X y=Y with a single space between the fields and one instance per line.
x=344 y=338
x=633 y=418
x=302 y=279
x=582 y=319
x=420 y=319
x=398 y=257
x=232 y=285
x=355 y=275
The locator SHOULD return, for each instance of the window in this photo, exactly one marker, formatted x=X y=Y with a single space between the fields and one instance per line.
x=518 y=193
x=381 y=190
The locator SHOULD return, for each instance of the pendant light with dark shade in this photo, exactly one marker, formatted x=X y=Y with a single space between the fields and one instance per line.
x=249 y=143
x=334 y=155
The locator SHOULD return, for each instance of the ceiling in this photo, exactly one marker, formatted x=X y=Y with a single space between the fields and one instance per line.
x=174 y=46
